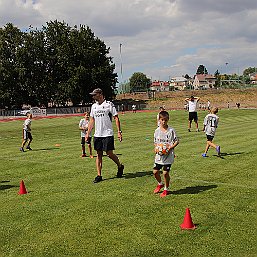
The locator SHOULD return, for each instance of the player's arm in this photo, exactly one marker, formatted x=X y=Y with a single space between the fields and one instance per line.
x=117 y=121
x=90 y=127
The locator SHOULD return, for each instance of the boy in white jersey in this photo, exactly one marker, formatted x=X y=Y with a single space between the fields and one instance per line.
x=26 y=133
x=83 y=126
x=192 y=109
x=210 y=125
x=164 y=135
x=101 y=117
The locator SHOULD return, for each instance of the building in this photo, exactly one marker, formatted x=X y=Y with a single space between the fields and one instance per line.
x=160 y=86
x=179 y=83
x=204 y=81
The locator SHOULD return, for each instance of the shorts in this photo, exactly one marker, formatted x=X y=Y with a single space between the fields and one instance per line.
x=209 y=137
x=88 y=141
x=104 y=143
x=193 y=116
x=166 y=167
x=27 y=135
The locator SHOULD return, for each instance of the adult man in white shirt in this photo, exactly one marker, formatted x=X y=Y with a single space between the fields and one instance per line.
x=101 y=115
x=192 y=108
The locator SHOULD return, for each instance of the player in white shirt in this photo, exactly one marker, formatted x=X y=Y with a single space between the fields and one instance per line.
x=83 y=126
x=210 y=125
x=164 y=136
x=101 y=116
x=192 y=108
x=26 y=133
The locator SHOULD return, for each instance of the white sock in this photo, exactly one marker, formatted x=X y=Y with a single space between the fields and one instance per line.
x=160 y=183
x=166 y=188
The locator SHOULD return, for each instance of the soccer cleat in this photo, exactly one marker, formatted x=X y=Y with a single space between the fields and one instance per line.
x=197 y=130
x=98 y=179
x=189 y=130
x=21 y=149
x=164 y=193
x=204 y=155
x=29 y=148
x=158 y=189
x=218 y=149
x=83 y=155
x=120 y=171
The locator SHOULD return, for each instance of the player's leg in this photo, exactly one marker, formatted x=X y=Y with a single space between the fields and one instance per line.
x=29 y=135
x=166 y=176
x=196 y=121
x=24 y=139
x=98 y=145
x=83 y=149
x=108 y=146
x=156 y=172
x=90 y=147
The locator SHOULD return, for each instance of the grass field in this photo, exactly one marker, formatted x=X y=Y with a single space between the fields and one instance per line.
x=65 y=214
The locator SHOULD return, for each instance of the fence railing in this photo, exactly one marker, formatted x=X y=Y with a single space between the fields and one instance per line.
x=67 y=110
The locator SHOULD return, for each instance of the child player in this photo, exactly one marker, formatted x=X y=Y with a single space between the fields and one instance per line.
x=26 y=133
x=210 y=125
x=164 y=134
x=83 y=126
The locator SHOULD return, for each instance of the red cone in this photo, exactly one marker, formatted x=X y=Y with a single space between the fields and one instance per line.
x=22 y=188
x=187 y=223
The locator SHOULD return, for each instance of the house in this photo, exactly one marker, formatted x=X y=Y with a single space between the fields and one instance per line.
x=160 y=86
x=179 y=83
x=253 y=78
x=204 y=81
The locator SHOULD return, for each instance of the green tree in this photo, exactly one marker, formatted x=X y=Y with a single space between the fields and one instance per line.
x=139 y=82
x=249 y=71
x=201 y=70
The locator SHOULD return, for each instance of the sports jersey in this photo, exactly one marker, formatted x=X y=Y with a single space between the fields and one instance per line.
x=192 y=106
x=103 y=113
x=27 y=124
x=211 y=123
x=84 y=124
x=169 y=136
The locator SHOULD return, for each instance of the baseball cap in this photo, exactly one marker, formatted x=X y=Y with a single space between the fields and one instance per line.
x=96 y=91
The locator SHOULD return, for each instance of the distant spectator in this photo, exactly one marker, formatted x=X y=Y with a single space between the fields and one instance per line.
x=228 y=105
x=192 y=108
x=134 y=108
x=160 y=110
x=238 y=105
x=208 y=104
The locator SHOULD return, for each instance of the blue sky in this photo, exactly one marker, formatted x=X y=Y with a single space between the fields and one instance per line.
x=161 y=38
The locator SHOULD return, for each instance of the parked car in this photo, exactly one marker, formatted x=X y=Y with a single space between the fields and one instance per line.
x=33 y=110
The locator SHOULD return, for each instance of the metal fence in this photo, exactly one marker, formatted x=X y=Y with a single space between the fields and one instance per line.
x=67 y=110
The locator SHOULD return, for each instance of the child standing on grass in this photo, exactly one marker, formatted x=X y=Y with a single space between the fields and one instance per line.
x=210 y=125
x=26 y=133
x=164 y=135
x=83 y=126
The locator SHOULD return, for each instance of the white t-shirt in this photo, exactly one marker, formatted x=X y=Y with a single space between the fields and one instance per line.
x=211 y=123
x=27 y=125
x=192 y=105
x=84 y=124
x=168 y=137
x=103 y=113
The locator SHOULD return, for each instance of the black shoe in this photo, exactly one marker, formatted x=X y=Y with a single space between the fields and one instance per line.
x=189 y=130
x=21 y=149
x=98 y=179
x=120 y=171
x=28 y=147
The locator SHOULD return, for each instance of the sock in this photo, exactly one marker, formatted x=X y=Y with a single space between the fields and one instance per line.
x=166 y=188
x=160 y=183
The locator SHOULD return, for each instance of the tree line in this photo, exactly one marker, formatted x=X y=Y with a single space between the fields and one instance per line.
x=55 y=64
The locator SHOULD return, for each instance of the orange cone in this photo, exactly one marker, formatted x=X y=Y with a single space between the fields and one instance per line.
x=187 y=223
x=22 y=188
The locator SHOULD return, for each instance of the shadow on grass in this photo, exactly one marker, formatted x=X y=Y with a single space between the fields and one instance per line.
x=46 y=149
x=222 y=155
x=193 y=190
x=4 y=187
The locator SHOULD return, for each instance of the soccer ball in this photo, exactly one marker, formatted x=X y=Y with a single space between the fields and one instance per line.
x=162 y=149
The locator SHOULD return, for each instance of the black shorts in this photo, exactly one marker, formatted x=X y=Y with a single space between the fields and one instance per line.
x=165 y=167
x=83 y=141
x=209 y=137
x=27 y=135
x=104 y=143
x=193 y=116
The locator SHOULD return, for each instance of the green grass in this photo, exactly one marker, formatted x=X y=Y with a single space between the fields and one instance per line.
x=65 y=214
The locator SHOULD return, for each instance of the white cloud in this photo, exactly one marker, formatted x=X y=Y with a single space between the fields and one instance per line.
x=161 y=38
